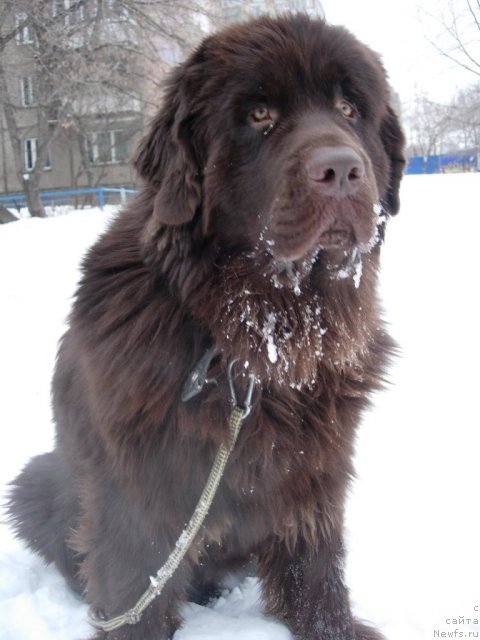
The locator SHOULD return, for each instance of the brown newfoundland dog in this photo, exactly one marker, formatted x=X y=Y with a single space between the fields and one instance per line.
x=269 y=174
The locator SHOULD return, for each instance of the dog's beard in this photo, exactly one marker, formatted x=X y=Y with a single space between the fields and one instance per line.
x=284 y=332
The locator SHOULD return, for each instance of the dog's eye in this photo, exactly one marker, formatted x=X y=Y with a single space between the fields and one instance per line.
x=260 y=114
x=346 y=109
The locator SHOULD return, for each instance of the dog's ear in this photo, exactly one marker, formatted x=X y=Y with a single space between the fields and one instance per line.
x=165 y=157
x=393 y=142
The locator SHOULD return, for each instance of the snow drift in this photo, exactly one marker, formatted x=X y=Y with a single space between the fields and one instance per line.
x=413 y=524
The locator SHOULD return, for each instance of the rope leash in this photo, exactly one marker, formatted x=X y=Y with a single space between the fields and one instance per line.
x=158 y=582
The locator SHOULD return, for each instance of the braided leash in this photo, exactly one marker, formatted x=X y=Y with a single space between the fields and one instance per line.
x=158 y=582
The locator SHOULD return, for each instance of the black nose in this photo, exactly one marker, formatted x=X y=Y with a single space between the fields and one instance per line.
x=336 y=171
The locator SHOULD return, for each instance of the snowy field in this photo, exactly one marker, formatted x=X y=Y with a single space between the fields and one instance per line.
x=414 y=512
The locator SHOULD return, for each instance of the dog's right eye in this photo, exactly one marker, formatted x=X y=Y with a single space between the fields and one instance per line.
x=347 y=110
x=260 y=114
x=263 y=119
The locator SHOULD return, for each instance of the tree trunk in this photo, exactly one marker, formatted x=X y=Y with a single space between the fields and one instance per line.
x=6 y=215
x=34 y=203
x=30 y=180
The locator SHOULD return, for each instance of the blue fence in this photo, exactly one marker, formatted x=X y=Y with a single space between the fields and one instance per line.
x=99 y=196
x=445 y=163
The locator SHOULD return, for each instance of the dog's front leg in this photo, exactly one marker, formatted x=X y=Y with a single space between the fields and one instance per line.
x=305 y=588
x=159 y=620
x=121 y=550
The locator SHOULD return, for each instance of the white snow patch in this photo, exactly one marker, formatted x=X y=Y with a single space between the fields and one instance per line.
x=357 y=274
x=414 y=557
x=272 y=350
x=351 y=268
x=236 y=615
x=268 y=332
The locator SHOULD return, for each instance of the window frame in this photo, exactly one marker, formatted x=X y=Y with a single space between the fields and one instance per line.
x=27 y=92
x=30 y=152
x=111 y=137
x=23 y=35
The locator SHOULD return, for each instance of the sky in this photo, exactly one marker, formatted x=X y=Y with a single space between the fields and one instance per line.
x=399 y=32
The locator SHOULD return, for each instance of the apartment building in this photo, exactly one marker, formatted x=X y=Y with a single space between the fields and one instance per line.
x=81 y=78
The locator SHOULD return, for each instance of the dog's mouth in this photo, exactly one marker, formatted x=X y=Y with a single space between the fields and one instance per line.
x=334 y=252
x=293 y=235
x=335 y=263
x=336 y=238
x=339 y=235
x=299 y=248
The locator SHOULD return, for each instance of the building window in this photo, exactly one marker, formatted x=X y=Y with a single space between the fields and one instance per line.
x=112 y=10
x=24 y=35
x=70 y=12
x=108 y=147
x=76 y=15
x=30 y=152
x=59 y=8
x=27 y=91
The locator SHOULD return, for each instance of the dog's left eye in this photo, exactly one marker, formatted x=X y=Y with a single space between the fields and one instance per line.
x=346 y=109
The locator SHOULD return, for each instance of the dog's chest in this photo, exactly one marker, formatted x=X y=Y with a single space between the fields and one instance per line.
x=279 y=475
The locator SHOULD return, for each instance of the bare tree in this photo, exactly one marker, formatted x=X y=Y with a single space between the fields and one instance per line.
x=428 y=127
x=457 y=32
x=454 y=127
x=465 y=119
x=88 y=63
x=18 y=26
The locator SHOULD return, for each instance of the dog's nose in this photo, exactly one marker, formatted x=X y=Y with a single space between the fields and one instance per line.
x=336 y=171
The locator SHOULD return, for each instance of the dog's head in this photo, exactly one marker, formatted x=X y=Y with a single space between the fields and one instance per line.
x=277 y=135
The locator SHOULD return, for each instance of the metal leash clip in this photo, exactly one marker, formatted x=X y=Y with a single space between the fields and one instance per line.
x=247 y=405
x=198 y=377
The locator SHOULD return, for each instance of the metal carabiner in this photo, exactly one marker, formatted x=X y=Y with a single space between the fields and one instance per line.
x=198 y=377
x=247 y=405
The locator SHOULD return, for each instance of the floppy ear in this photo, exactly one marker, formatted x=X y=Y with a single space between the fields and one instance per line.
x=165 y=158
x=393 y=142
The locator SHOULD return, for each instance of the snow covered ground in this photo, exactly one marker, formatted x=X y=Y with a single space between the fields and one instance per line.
x=414 y=513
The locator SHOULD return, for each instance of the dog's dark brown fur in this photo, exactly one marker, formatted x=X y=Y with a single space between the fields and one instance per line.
x=234 y=241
